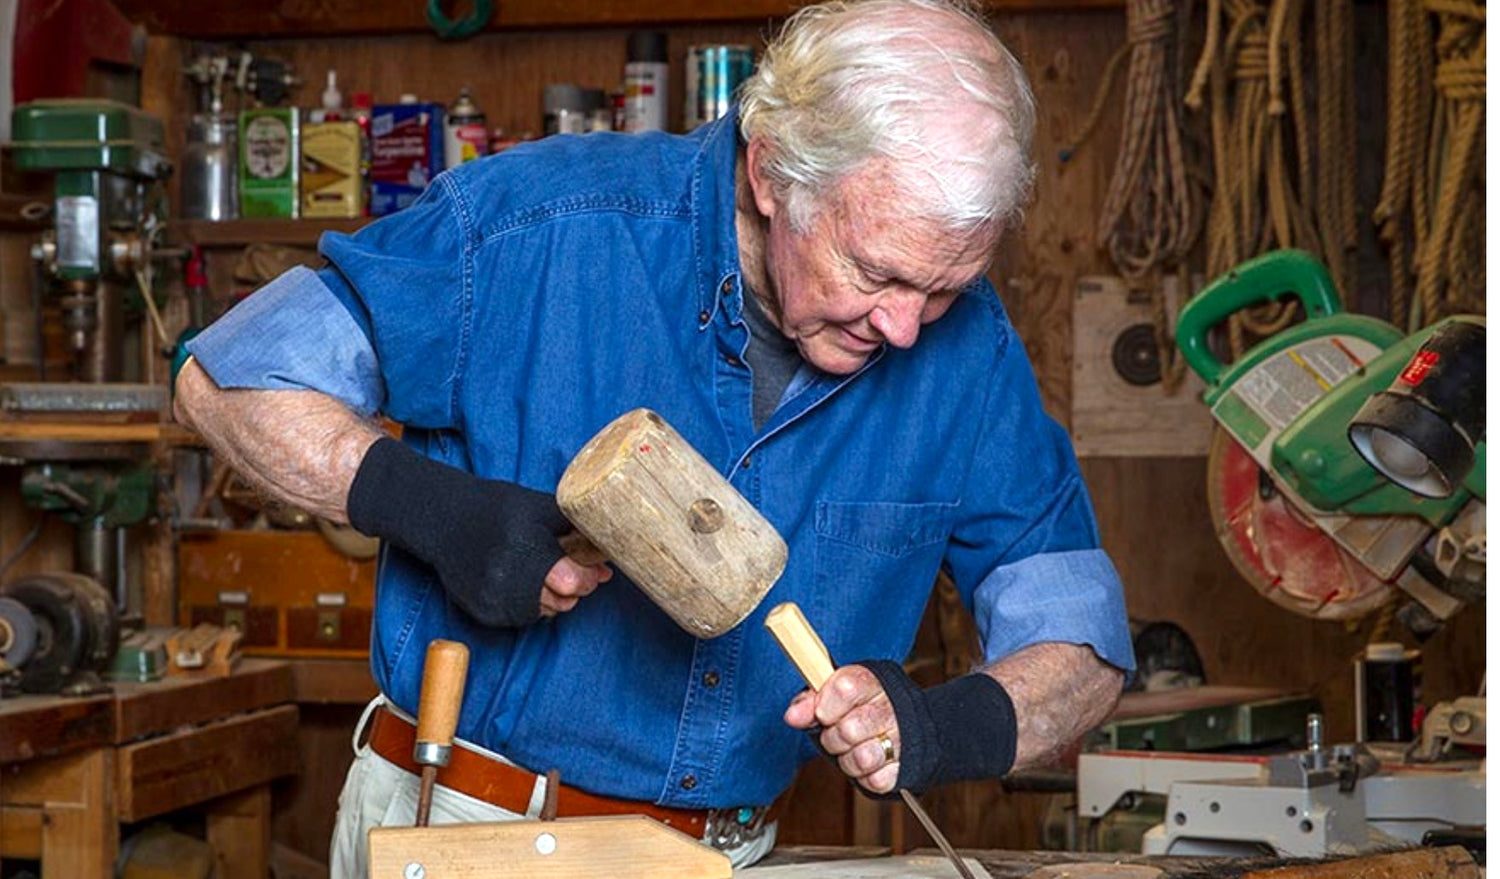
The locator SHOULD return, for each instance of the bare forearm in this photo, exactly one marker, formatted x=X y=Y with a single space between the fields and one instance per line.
x=299 y=447
x=1060 y=692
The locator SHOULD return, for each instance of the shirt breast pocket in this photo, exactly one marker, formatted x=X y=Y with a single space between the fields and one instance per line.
x=875 y=566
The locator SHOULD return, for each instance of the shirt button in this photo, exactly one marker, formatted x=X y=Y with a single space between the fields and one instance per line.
x=731 y=360
x=711 y=679
x=702 y=317
x=727 y=287
x=747 y=462
x=688 y=782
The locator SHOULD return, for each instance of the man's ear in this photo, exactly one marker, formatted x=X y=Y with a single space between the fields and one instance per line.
x=756 y=153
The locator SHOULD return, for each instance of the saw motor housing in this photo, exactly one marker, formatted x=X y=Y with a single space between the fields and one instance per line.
x=1287 y=403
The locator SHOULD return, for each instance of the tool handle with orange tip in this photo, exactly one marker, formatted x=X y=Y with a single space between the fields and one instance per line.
x=810 y=655
x=443 y=675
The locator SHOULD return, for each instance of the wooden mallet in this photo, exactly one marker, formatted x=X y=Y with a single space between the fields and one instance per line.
x=670 y=522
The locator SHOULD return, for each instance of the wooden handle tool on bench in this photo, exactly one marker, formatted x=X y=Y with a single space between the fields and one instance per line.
x=808 y=653
x=443 y=675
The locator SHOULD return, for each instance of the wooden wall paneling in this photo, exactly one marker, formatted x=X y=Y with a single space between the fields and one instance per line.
x=1064 y=55
x=331 y=17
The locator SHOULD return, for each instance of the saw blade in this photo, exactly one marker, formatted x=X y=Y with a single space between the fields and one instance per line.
x=1284 y=556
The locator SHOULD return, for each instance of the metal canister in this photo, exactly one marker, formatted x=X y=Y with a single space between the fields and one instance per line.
x=210 y=168
x=713 y=77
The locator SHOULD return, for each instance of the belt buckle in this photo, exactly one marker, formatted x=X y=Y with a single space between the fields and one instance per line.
x=726 y=829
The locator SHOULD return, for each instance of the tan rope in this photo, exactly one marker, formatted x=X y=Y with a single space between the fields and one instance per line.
x=1153 y=211
x=1284 y=153
x=1456 y=159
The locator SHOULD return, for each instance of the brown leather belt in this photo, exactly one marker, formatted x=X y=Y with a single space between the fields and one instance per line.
x=510 y=787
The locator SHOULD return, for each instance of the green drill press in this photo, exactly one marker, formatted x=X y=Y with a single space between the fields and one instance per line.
x=107 y=163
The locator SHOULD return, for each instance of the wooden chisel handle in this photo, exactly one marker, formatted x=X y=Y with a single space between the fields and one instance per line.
x=810 y=655
x=802 y=645
x=443 y=675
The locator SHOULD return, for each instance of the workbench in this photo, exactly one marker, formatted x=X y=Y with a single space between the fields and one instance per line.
x=73 y=769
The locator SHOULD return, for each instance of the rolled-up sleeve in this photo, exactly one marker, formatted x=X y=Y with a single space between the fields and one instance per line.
x=1074 y=597
x=383 y=327
x=1025 y=551
x=294 y=333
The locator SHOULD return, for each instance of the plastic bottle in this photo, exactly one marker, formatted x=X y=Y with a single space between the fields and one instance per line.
x=333 y=99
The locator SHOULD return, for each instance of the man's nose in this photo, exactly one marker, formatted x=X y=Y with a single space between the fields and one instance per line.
x=898 y=317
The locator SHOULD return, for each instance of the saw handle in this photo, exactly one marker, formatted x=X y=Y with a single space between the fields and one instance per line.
x=443 y=676
x=1257 y=281
x=801 y=644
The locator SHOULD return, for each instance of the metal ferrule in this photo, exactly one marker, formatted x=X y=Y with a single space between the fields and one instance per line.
x=429 y=754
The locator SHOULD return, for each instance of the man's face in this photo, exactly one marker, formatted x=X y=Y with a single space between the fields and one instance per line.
x=865 y=271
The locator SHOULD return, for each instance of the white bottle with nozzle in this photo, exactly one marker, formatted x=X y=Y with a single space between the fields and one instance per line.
x=333 y=99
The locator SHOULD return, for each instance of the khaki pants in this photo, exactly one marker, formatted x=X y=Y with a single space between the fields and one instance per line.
x=378 y=793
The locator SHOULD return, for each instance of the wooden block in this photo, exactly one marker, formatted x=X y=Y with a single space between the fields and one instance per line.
x=900 y=867
x=1422 y=863
x=203 y=763
x=205 y=650
x=632 y=847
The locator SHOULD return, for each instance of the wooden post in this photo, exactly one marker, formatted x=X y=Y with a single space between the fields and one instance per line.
x=239 y=832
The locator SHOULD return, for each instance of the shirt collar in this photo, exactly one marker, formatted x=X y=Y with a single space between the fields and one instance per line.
x=716 y=248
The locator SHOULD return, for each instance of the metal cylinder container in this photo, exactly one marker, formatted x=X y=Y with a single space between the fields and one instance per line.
x=210 y=168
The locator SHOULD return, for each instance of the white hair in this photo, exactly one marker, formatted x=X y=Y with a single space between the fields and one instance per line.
x=923 y=84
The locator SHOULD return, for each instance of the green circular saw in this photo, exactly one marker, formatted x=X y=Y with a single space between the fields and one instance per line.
x=1322 y=525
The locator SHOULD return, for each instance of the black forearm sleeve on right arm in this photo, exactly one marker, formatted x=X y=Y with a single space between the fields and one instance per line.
x=961 y=730
x=491 y=542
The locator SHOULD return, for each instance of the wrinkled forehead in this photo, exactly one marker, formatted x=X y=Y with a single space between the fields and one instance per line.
x=876 y=218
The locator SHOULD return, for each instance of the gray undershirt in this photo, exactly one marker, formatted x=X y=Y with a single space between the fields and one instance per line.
x=773 y=358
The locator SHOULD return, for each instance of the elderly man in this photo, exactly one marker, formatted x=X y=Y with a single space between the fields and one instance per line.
x=800 y=290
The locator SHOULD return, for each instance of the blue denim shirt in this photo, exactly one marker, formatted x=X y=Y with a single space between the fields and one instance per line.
x=531 y=297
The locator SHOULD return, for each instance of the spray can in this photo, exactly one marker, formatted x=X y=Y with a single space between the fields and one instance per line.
x=465 y=134
x=646 y=81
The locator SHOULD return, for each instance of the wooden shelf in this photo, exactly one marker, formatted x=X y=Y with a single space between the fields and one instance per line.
x=282 y=19
x=96 y=432
x=238 y=233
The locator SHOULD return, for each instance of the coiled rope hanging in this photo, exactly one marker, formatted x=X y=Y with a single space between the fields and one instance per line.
x=1153 y=212
x=1431 y=210
x=1279 y=180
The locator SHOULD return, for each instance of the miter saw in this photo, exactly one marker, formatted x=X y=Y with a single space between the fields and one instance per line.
x=1349 y=456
